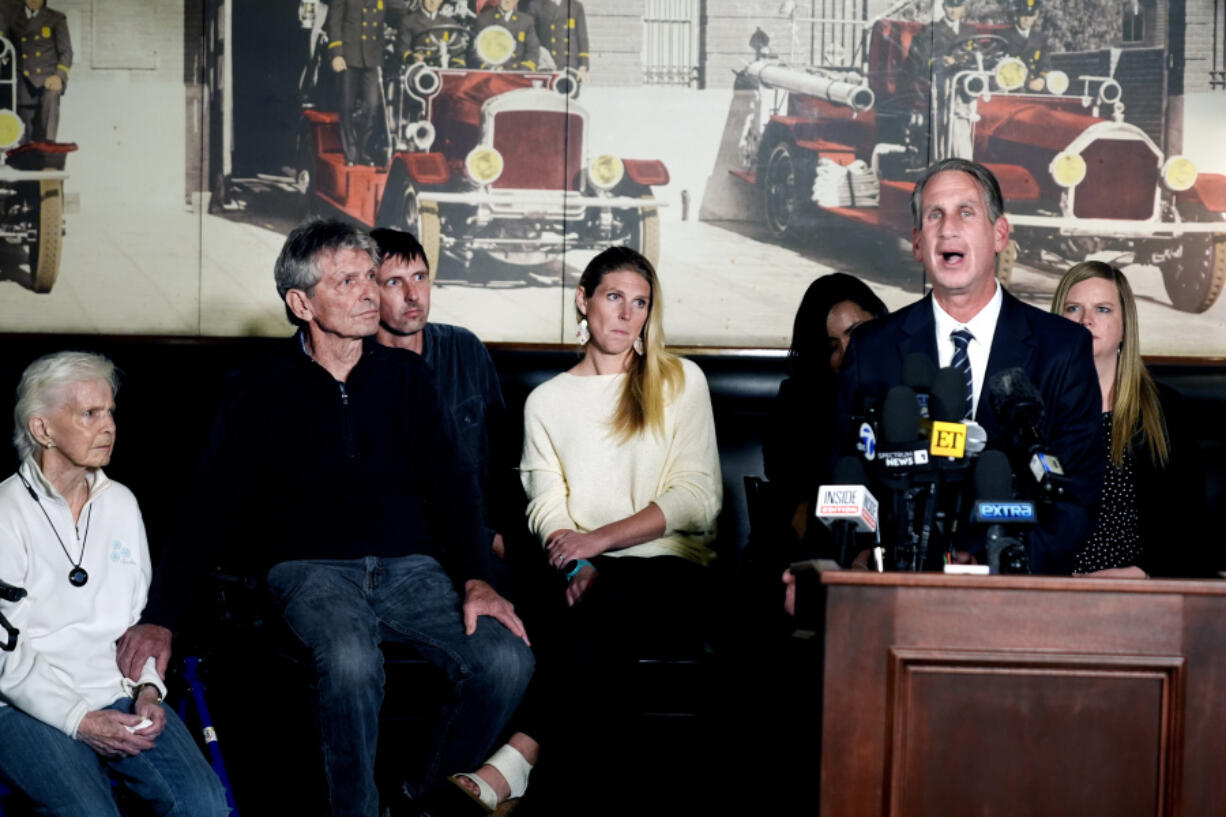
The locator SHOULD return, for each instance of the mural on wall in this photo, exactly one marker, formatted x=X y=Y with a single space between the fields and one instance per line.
x=746 y=150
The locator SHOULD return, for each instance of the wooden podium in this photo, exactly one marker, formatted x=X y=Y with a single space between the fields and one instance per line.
x=1012 y=696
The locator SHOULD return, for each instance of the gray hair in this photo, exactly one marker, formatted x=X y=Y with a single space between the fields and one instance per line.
x=989 y=188
x=36 y=393
x=298 y=264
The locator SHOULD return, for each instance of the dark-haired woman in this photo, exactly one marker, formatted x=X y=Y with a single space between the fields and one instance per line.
x=1152 y=465
x=621 y=469
x=797 y=444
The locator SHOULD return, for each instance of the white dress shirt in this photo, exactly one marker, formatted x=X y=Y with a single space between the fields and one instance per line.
x=982 y=327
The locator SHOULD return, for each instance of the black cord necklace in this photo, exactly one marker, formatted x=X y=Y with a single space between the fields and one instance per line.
x=78 y=576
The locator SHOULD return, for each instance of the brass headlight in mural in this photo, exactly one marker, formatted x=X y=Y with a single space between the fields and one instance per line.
x=1010 y=74
x=11 y=129
x=495 y=45
x=484 y=164
x=1068 y=169
x=1179 y=173
x=1057 y=82
x=606 y=171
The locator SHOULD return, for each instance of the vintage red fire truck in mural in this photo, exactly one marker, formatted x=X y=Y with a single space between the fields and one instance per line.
x=487 y=162
x=1078 y=177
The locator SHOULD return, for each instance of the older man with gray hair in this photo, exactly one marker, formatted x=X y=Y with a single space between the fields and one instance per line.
x=334 y=461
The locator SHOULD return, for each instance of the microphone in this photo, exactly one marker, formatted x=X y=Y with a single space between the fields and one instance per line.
x=1019 y=406
x=900 y=415
x=976 y=438
x=1005 y=518
x=900 y=426
x=948 y=400
x=901 y=455
x=947 y=408
x=948 y=435
x=918 y=372
x=847 y=507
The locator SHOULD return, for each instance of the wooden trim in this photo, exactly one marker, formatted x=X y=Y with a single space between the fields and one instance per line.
x=1055 y=584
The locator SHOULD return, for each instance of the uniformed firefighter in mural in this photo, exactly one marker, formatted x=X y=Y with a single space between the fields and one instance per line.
x=561 y=27
x=44 y=51
x=423 y=33
x=355 y=46
x=1028 y=43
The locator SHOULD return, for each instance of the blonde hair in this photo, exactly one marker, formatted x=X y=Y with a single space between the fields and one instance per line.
x=1134 y=395
x=654 y=376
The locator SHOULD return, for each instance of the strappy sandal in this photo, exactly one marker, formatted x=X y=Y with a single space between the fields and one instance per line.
x=513 y=768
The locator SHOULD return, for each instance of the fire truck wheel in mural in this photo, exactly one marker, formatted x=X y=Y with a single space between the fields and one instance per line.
x=784 y=188
x=1005 y=262
x=44 y=250
x=1194 y=279
x=645 y=231
x=304 y=171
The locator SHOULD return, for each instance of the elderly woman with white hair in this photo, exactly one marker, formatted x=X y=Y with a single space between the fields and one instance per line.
x=76 y=542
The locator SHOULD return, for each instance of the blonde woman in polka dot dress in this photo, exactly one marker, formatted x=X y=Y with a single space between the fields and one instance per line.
x=1152 y=511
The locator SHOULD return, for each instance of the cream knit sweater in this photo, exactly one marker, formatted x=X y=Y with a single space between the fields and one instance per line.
x=578 y=476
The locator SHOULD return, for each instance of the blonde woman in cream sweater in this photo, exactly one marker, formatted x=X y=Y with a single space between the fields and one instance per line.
x=621 y=469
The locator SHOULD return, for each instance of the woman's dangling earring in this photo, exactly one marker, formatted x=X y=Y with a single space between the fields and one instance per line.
x=582 y=335
x=638 y=345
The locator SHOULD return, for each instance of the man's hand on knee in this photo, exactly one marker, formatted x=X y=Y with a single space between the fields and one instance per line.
x=137 y=644
x=482 y=600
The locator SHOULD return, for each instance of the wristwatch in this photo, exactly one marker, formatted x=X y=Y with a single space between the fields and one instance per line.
x=139 y=688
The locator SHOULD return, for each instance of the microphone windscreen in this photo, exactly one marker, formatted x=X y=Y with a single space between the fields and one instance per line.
x=900 y=415
x=1014 y=396
x=947 y=401
x=918 y=370
x=850 y=471
x=976 y=438
x=993 y=477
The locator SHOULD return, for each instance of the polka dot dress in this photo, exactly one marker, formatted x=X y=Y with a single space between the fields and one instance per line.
x=1116 y=540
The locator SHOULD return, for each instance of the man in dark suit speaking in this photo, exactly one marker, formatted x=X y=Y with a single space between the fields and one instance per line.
x=971 y=322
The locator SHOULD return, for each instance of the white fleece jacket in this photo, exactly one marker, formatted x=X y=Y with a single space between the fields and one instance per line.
x=64 y=664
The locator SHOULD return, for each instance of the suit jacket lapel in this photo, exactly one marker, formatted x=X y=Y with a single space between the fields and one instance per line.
x=919 y=331
x=1012 y=345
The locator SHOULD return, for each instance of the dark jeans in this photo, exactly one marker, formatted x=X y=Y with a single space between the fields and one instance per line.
x=341 y=611
x=67 y=778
